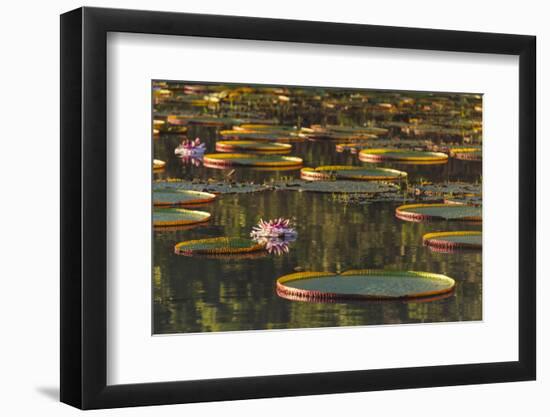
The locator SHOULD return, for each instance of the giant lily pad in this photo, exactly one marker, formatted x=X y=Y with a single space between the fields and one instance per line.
x=240 y=159
x=366 y=284
x=173 y=197
x=218 y=246
x=449 y=241
x=169 y=217
x=398 y=155
x=421 y=212
x=328 y=172
x=252 y=146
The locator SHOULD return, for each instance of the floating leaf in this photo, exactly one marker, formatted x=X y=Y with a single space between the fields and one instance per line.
x=168 y=217
x=327 y=172
x=366 y=284
x=420 y=212
x=174 y=197
x=252 y=146
x=241 y=159
x=381 y=155
x=448 y=241
x=218 y=246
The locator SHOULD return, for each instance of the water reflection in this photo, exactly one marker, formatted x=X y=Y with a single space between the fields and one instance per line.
x=228 y=293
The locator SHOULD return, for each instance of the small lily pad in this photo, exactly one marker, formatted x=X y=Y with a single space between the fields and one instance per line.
x=366 y=284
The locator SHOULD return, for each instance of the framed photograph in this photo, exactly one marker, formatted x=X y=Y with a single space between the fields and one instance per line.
x=258 y=208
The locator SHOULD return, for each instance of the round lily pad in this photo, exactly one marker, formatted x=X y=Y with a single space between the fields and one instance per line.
x=252 y=146
x=262 y=136
x=365 y=284
x=251 y=160
x=398 y=155
x=173 y=197
x=453 y=240
x=168 y=217
x=328 y=172
x=421 y=212
x=218 y=246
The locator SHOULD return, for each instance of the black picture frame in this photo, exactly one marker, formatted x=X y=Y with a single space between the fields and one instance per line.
x=84 y=207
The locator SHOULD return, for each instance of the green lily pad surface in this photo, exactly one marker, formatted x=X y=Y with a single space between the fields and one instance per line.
x=175 y=197
x=389 y=154
x=420 y=212
x=352 y=173
x=218 y=246
x=252 y=146
x=167 y=217
x=454 y=240
x=251 y=160
x=363 y=284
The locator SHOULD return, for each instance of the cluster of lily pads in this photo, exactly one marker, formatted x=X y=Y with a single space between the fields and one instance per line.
x=251 y=138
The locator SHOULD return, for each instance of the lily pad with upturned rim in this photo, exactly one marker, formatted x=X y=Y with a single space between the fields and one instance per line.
x=218 y=246
x=364 y=284
x=401 y=155
x=172 y=197
x=169 y=217
x=453 y=240
x=252 y=146
x=426 y=212
x=327 y=172
x=251 y=160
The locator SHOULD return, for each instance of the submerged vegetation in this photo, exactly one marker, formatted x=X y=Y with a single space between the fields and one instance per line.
x=347 y=166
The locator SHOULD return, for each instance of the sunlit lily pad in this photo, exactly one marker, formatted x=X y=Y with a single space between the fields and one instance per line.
x=422 y=212
x=158 y=164
x=173 y=197
x=250 y=160
x=218 y=246
x=267 y=136
x=355 y=147
x=168 y=217
x=252 y=146
x=448 y=241
x=328 y=172
x=382 y=155
x=366 y=284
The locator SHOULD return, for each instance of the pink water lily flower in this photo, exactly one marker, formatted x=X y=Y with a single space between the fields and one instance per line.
x=190 y=147
x=276 y=228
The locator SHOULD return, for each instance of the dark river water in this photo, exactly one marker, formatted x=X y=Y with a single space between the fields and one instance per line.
x=206 y=295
